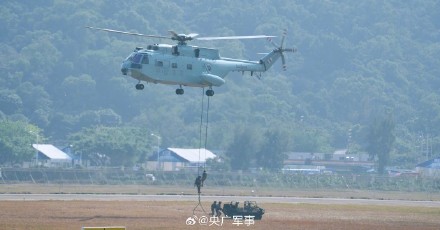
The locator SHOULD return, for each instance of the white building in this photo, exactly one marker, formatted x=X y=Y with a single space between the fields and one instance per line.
x=175 y=159
x=51 y=156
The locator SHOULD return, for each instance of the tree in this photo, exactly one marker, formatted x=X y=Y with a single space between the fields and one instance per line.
x=306 y=140
x=218 y=164
x=380 y=140
x=60 y=76
x=122 y=145
x=241 y=151
x=36 y=103
x=16 y=139
x=75 y=90
x=10 y=102
x=271 y=155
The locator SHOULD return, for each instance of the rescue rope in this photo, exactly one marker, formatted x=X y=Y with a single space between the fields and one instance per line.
x=200 y=130
x=206 y=132
x=199 y=204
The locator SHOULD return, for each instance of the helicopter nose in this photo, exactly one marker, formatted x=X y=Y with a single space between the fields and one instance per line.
x=124 y=71
x=124 y=68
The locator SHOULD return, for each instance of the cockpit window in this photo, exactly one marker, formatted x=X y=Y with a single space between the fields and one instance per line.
x=137 y=58
x=129 y=58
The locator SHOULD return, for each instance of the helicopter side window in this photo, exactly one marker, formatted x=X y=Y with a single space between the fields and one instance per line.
x=159 y=63
x=175 y=50
x=197 y=53
x=189 y=66
x=145 y=60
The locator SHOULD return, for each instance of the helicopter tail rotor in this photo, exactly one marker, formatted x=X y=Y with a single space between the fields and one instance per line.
x=281 y=49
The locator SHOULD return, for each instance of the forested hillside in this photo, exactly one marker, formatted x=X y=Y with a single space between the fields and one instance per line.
x=357 y=61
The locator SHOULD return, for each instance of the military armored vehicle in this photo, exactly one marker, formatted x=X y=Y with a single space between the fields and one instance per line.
x=250 y=208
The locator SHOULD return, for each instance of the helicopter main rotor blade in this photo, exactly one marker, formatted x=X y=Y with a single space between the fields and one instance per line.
x=125 y=32
x=173 y=33
x=234 y=37
x=181 y=37
x=284 y=36
x=273 y=43
x=192 y=35
x=289 y=50
x=283 y=61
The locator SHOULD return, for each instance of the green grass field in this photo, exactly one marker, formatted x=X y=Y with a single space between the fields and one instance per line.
x=217 y=191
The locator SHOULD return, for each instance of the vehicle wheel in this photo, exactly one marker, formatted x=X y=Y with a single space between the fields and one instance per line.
x=179 y=91
x=209 y=92
x=139 y=86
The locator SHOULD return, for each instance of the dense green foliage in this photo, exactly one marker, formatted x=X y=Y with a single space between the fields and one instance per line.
x=271 y=154
x=15 y=141
x=380 y=141
x=120 y=145
x=243 y=148
x=354 y=59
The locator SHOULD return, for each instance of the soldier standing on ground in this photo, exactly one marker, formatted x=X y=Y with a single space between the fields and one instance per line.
x=213 y=207
x=218 y=209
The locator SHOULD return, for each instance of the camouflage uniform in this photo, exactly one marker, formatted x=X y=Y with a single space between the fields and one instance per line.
x=213 y=208
x=218 y=209
x=204 y=175
x=198 y=183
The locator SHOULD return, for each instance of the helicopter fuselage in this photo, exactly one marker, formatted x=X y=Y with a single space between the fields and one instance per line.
x=186 y=65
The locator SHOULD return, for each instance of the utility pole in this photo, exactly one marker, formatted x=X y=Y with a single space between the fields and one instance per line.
x=158 y=149
x=36 y=144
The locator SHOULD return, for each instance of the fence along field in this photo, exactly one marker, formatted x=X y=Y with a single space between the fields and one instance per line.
x=118 y=176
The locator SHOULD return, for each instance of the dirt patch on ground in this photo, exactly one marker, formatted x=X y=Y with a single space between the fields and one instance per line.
x=173 y=215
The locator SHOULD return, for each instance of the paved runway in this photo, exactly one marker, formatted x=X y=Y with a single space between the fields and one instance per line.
x=259 y=199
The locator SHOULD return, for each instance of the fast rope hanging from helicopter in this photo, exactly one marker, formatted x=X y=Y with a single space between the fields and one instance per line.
x=201 y=179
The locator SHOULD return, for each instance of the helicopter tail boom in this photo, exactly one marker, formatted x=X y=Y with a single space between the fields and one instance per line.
x=268 y=60
x=262 y=65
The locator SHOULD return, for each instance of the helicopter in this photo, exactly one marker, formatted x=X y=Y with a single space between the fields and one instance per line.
x=192 y=66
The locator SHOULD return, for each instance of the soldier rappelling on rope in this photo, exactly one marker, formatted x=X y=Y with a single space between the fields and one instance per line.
x=204 y=175
x=198 y=183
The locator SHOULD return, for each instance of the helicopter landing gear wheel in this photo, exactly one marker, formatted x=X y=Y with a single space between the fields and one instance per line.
x=209 y=92
x=180 y=91
x=139 y=86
